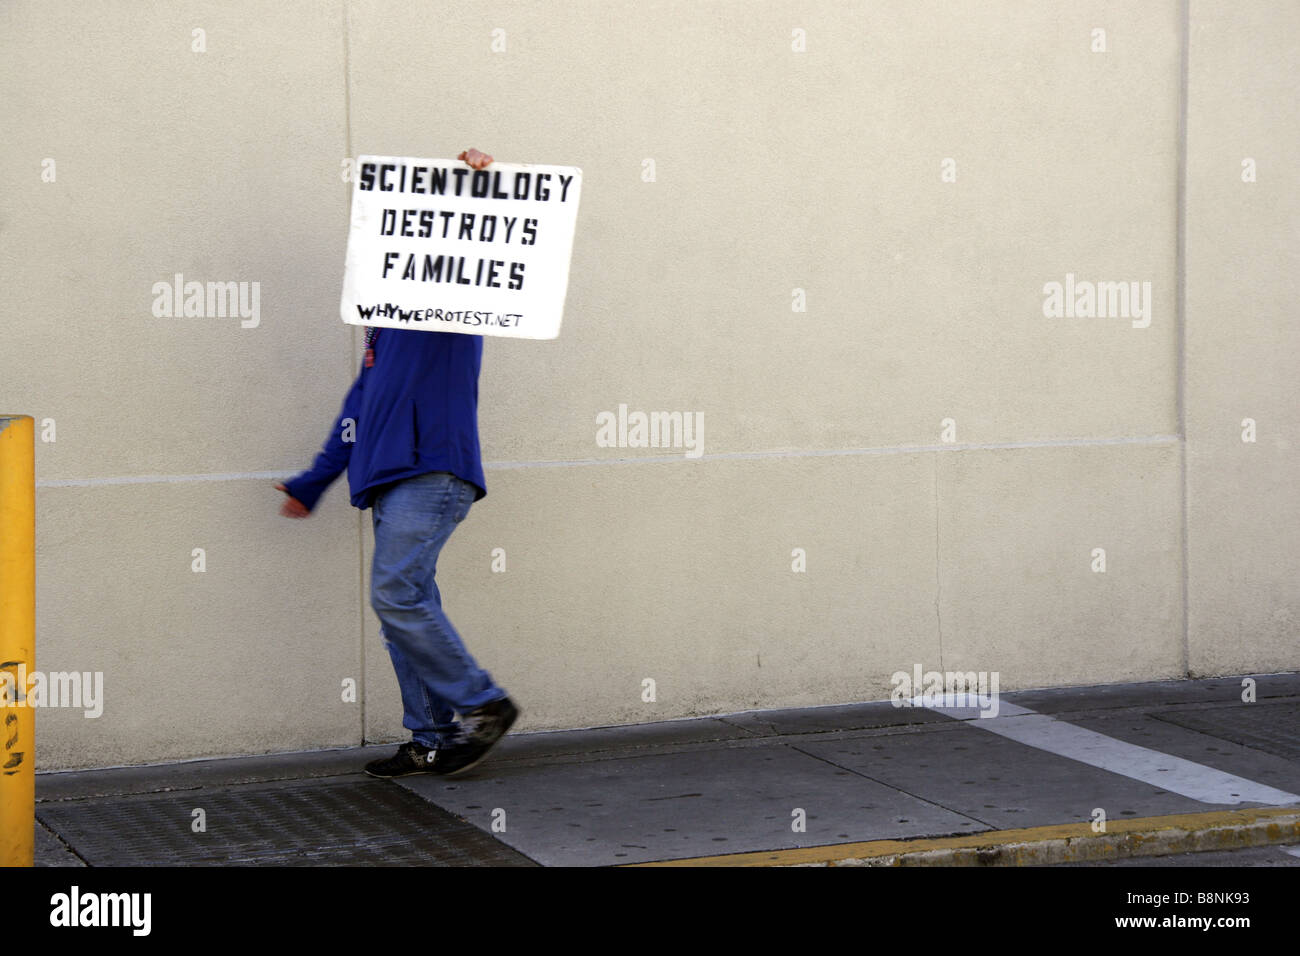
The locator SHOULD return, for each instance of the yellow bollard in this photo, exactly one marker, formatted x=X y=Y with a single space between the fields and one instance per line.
x=17 y=638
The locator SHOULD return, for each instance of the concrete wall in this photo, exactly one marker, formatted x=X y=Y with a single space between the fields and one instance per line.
x=775 y=170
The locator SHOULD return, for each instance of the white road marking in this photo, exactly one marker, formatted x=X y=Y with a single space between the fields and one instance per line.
x=1185 y=777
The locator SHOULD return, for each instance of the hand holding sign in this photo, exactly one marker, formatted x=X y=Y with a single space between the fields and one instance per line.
x=441 y=247
x=476 y=159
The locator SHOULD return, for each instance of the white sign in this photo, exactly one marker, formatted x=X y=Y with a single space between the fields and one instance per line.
x=437 y=245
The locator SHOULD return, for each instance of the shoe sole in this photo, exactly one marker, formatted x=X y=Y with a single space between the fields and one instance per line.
x=485 y=754
x=390 y=776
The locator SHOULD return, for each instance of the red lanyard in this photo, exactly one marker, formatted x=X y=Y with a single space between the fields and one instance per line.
x=371 y=334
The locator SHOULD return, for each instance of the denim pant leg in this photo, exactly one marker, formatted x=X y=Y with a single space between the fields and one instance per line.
x=412 y=521
x=429 y=718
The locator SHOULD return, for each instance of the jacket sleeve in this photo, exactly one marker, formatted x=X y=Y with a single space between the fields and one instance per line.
x=308 y=486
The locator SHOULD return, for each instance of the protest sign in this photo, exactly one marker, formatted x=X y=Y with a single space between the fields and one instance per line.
x=439 y=246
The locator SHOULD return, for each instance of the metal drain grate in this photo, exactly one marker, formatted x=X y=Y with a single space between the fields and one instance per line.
x=1272 y=728
x=321 y=823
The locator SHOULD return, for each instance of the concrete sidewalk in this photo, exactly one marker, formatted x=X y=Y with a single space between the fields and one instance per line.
x=1174 y=766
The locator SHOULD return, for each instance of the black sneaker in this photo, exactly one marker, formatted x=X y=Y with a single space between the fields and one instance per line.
x=410 y=758
x=480 y=729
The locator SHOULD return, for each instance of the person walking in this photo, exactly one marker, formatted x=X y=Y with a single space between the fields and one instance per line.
x=408 y=436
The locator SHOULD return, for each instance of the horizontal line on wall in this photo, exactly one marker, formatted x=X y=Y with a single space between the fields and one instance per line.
x=836 y=452
x=644 y=460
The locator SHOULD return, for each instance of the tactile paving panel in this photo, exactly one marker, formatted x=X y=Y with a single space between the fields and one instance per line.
x=1271 y=727
x=323 y=823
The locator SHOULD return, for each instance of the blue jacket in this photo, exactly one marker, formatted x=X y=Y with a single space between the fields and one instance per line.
x=415 y=411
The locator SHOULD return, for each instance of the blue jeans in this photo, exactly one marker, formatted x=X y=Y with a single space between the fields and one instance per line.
x=413 y=519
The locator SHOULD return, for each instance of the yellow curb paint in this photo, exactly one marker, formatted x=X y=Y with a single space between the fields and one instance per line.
x=1279 y=824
